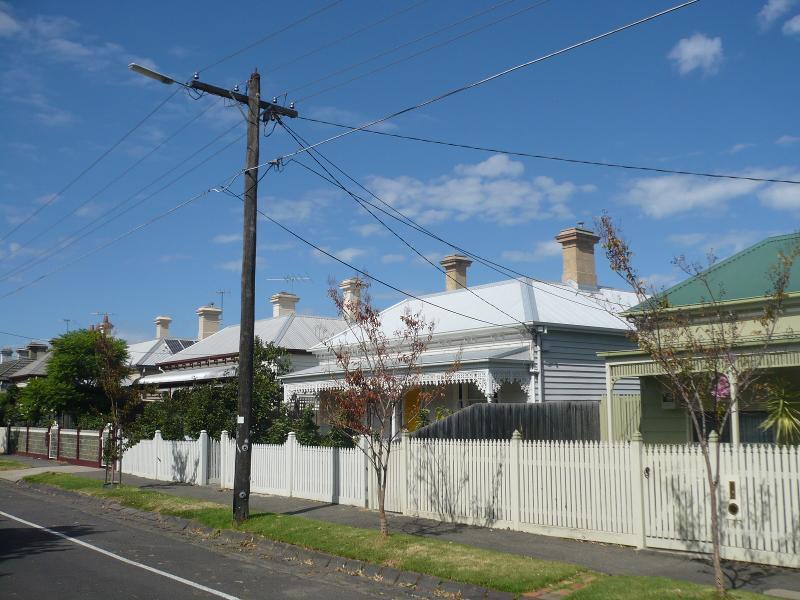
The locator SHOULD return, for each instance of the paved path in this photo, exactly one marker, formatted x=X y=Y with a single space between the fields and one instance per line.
x=49 y=548
x=17 y=474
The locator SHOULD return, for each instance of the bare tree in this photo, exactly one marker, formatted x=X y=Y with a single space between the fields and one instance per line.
x=379 y=371
x=703 y=351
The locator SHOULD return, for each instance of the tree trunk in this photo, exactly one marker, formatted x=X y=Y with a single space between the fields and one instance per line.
x=382 y=510
x=719 y=576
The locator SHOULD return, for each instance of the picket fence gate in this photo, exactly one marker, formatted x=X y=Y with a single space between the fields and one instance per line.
x=184 y=461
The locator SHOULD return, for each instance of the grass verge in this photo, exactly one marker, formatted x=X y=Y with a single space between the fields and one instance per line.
x=448 y=560
x=6 y=464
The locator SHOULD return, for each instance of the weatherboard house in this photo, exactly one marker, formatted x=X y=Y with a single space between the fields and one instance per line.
x=215 y=356
x=516 y=341
x=741 y=284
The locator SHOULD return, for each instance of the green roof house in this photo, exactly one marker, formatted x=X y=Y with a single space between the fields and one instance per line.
x=741 y=284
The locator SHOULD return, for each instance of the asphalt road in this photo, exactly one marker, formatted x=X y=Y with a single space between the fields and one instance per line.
x=35 y=563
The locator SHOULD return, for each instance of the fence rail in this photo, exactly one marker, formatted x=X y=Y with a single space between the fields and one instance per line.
x=614 y=492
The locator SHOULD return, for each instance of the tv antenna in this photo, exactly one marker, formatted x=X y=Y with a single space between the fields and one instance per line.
x=67 y=321
x=290 y=279
x=221 y=294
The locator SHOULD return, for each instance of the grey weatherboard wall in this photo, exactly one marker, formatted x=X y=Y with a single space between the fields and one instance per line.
x=572 y=369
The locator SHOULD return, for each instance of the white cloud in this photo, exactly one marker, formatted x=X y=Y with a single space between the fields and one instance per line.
x=369 y=229
x=499 y=165
x=169 y=258
x=227 y=238
x=388 y=259
x=660 y=197
x=349 y=254
x=787 y=140
x=697 y=52
x=772 y=11
x=291 y=210
x=719 y=243
x=736 y=148
x=541 y=251
x=493 y=190
x=792 y=26
x=8 y=25
x=782 y=197
x=231 y=265
x=659 y=281
x=345 y=254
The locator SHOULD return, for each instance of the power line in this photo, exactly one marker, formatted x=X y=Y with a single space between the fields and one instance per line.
x=503 y=270
x=393 y=49
x=152 y=151
x=349 y=35
x=519 y=153
x=425 y=50
x=341 y=186
x=109 y=217
x=107 y=244
x=492 y=77
x=271 y=35
x=75 y=179
x=361 y=272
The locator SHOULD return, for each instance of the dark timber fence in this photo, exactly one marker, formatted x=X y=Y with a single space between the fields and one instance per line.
x=545 y=421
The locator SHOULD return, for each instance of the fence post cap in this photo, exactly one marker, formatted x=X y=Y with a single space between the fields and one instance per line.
x=202 y=431
x=292 y=434
x=405 y=433
x=516 y=435
x=713 y=438
x=637 y=436
x=223 y=433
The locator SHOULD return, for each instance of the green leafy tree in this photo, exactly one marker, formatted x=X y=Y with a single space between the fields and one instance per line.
x=84 y=377
x=212 y=406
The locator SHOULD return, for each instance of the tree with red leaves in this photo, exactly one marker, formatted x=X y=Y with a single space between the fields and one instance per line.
x=379 y=370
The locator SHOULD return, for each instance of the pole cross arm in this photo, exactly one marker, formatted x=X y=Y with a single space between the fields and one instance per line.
x=223 y=93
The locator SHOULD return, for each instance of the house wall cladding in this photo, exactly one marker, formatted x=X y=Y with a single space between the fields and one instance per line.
x=498 y=421
x=572 y=369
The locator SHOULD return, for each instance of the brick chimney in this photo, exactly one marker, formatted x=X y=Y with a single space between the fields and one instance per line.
x=351 y=290
x=208 y=321
x=284 y=303
x=455 y=268
x=36 y=350
x=162 y=326
x=578 y=256
x=6 y=354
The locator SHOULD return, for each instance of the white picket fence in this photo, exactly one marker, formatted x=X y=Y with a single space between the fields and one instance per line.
x=184 y=461
x=312 y=472
x=613 y=492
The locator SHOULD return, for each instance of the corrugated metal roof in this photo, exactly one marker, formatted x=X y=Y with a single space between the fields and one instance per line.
x=151 y=352
x=36 y=368
x=10 y=367
x=746 y=274
x=527 y=301
x=518 y=353
x=293 y=332
x=189 y=375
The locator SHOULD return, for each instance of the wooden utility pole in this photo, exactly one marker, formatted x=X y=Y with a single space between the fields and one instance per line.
x=241 y=476
x=271 y=111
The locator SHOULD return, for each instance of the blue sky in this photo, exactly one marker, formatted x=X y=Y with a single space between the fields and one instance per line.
x=713 y=87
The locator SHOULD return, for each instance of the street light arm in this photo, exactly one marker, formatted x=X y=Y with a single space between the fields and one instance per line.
x=136 y=68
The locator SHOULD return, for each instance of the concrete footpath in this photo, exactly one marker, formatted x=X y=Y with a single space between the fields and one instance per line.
x=606 y=558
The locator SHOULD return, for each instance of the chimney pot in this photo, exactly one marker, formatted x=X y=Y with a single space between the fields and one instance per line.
x=351 y=290
x=6 y=354
x=284 y=303
x=578 y=256
x=23 y=352
x=208 y=321
x=162 y=326
x=455 y=268
x=36 y=350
